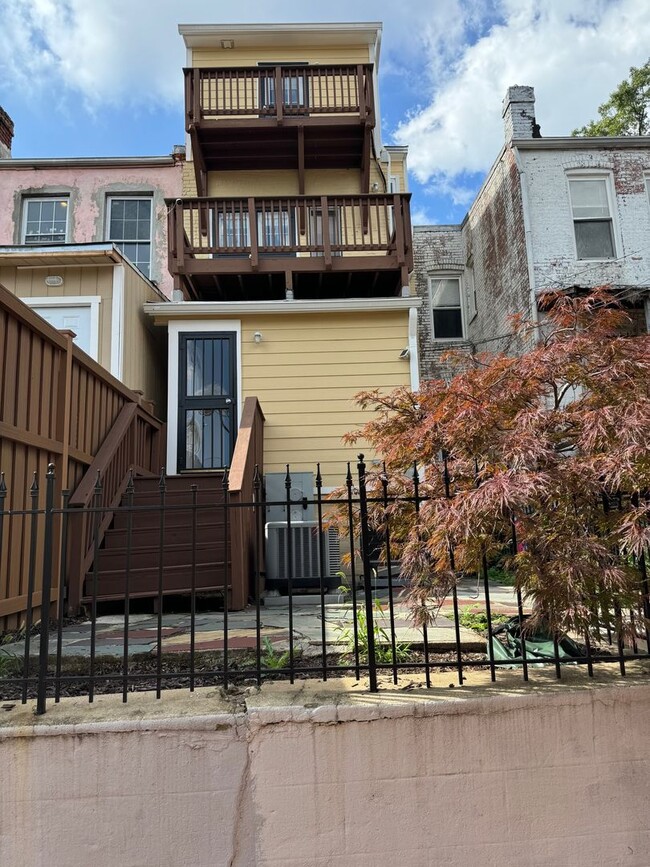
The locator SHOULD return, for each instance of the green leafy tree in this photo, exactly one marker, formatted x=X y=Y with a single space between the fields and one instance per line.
x=626 y=110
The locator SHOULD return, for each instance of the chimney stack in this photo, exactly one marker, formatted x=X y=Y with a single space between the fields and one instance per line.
x=6 y=134
x=519 y=113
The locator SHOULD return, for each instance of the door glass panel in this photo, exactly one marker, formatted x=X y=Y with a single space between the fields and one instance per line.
x=208 y=367
x=274 y=228
x=208 y=438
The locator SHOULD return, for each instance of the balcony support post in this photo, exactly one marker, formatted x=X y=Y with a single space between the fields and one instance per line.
x=279 y=94
x=327 y=241
x=301 y=179
x=252 y=223
x=365 y=178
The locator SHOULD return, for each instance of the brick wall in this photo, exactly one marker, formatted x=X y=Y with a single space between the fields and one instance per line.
x=496 y=244
x=555 y=262
x=6 y=134
x=436 y=250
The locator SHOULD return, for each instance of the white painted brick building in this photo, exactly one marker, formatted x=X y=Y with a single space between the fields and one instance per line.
x=552 y=213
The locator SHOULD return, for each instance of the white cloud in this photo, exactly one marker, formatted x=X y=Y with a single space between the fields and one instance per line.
x=570 y=51
x=129 y=51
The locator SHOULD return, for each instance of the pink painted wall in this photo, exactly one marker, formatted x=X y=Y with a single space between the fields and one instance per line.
x=540 y=778
x=88 y=187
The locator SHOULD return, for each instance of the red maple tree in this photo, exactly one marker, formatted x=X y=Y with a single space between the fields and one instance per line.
x=553 y=441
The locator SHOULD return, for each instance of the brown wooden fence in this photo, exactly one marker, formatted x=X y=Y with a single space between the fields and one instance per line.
x=57 y=406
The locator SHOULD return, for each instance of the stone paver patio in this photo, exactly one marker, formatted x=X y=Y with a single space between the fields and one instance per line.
x=274 y=626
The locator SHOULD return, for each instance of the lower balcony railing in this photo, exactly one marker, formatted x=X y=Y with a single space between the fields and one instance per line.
x=259 y=231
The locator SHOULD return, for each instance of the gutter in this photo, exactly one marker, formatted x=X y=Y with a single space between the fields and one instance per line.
x=88 y=162
x=198 y=309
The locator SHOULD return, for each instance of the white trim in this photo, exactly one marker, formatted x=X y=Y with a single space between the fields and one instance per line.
x=117 y=323
x=173 y=333
x=140 y=196
x=589 y=174
x=414 y=361
x=26 y=199
x=92 y=301
x=193 y=309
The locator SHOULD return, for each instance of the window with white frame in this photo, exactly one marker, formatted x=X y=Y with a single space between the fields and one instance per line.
x=592 y=217
x=45 y=221
x=129 y=226
x=446 y=308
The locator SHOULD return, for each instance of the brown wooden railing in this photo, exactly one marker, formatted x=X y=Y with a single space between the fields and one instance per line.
x=304 y=91
x=245 y=535
x=134 y=444
x=290 y=225
x=57 y=406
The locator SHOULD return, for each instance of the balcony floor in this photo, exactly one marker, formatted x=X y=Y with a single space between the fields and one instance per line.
x=270 y=286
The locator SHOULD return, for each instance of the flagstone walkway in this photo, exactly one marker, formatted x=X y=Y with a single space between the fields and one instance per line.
x=274 y=626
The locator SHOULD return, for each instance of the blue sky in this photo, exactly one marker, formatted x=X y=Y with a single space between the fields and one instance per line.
x=102 y=77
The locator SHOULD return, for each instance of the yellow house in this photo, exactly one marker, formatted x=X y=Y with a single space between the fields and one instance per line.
x=290 y=249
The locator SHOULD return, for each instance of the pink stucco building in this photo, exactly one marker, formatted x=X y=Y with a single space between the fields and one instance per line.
x=50 y=202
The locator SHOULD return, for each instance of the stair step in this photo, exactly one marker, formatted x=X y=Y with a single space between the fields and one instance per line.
x=144 y=582
x=148 y=536
x=173 y=484
x=180 y=517
x=173 y=555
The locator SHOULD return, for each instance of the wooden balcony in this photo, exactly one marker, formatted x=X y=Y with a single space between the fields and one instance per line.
x=279 y=117
x=316 y=246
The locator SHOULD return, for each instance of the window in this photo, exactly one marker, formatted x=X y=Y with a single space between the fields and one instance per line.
x=592 y=218
x=295 y=99
x=129 y=226
x=446 y=308
x=45 y=220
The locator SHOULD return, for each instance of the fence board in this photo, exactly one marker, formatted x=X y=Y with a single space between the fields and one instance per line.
x=56 y=405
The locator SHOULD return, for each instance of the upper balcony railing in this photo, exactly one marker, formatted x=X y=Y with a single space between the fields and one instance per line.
x=279 y=92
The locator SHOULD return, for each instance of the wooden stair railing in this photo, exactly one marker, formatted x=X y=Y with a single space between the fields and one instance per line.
x=245 y=531
x=134 y=443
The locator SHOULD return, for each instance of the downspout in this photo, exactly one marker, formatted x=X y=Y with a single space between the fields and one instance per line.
x=414 y=361
x=525 y=209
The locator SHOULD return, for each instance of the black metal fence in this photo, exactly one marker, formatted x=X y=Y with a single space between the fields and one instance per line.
x=357 y=619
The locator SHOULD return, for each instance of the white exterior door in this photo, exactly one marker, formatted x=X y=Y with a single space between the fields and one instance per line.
x=80 y=316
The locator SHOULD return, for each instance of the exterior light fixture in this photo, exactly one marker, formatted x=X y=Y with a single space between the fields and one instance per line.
x=257 y=337
x=227 y=43
x=405 y=353
x=54 y=280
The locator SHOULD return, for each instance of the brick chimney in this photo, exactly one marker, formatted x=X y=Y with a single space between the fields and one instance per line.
x=6 y=134
x=519 y=113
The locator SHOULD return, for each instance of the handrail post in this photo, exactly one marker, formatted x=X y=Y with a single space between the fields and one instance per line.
x=367 y=580
x=46 y=592
x=196 y=96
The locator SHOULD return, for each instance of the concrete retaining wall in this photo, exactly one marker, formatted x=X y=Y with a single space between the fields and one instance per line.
x=560 y=777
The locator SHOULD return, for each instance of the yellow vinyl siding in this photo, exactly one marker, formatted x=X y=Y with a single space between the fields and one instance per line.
x=90 y=280
x=305 y=373
x=143 y=368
